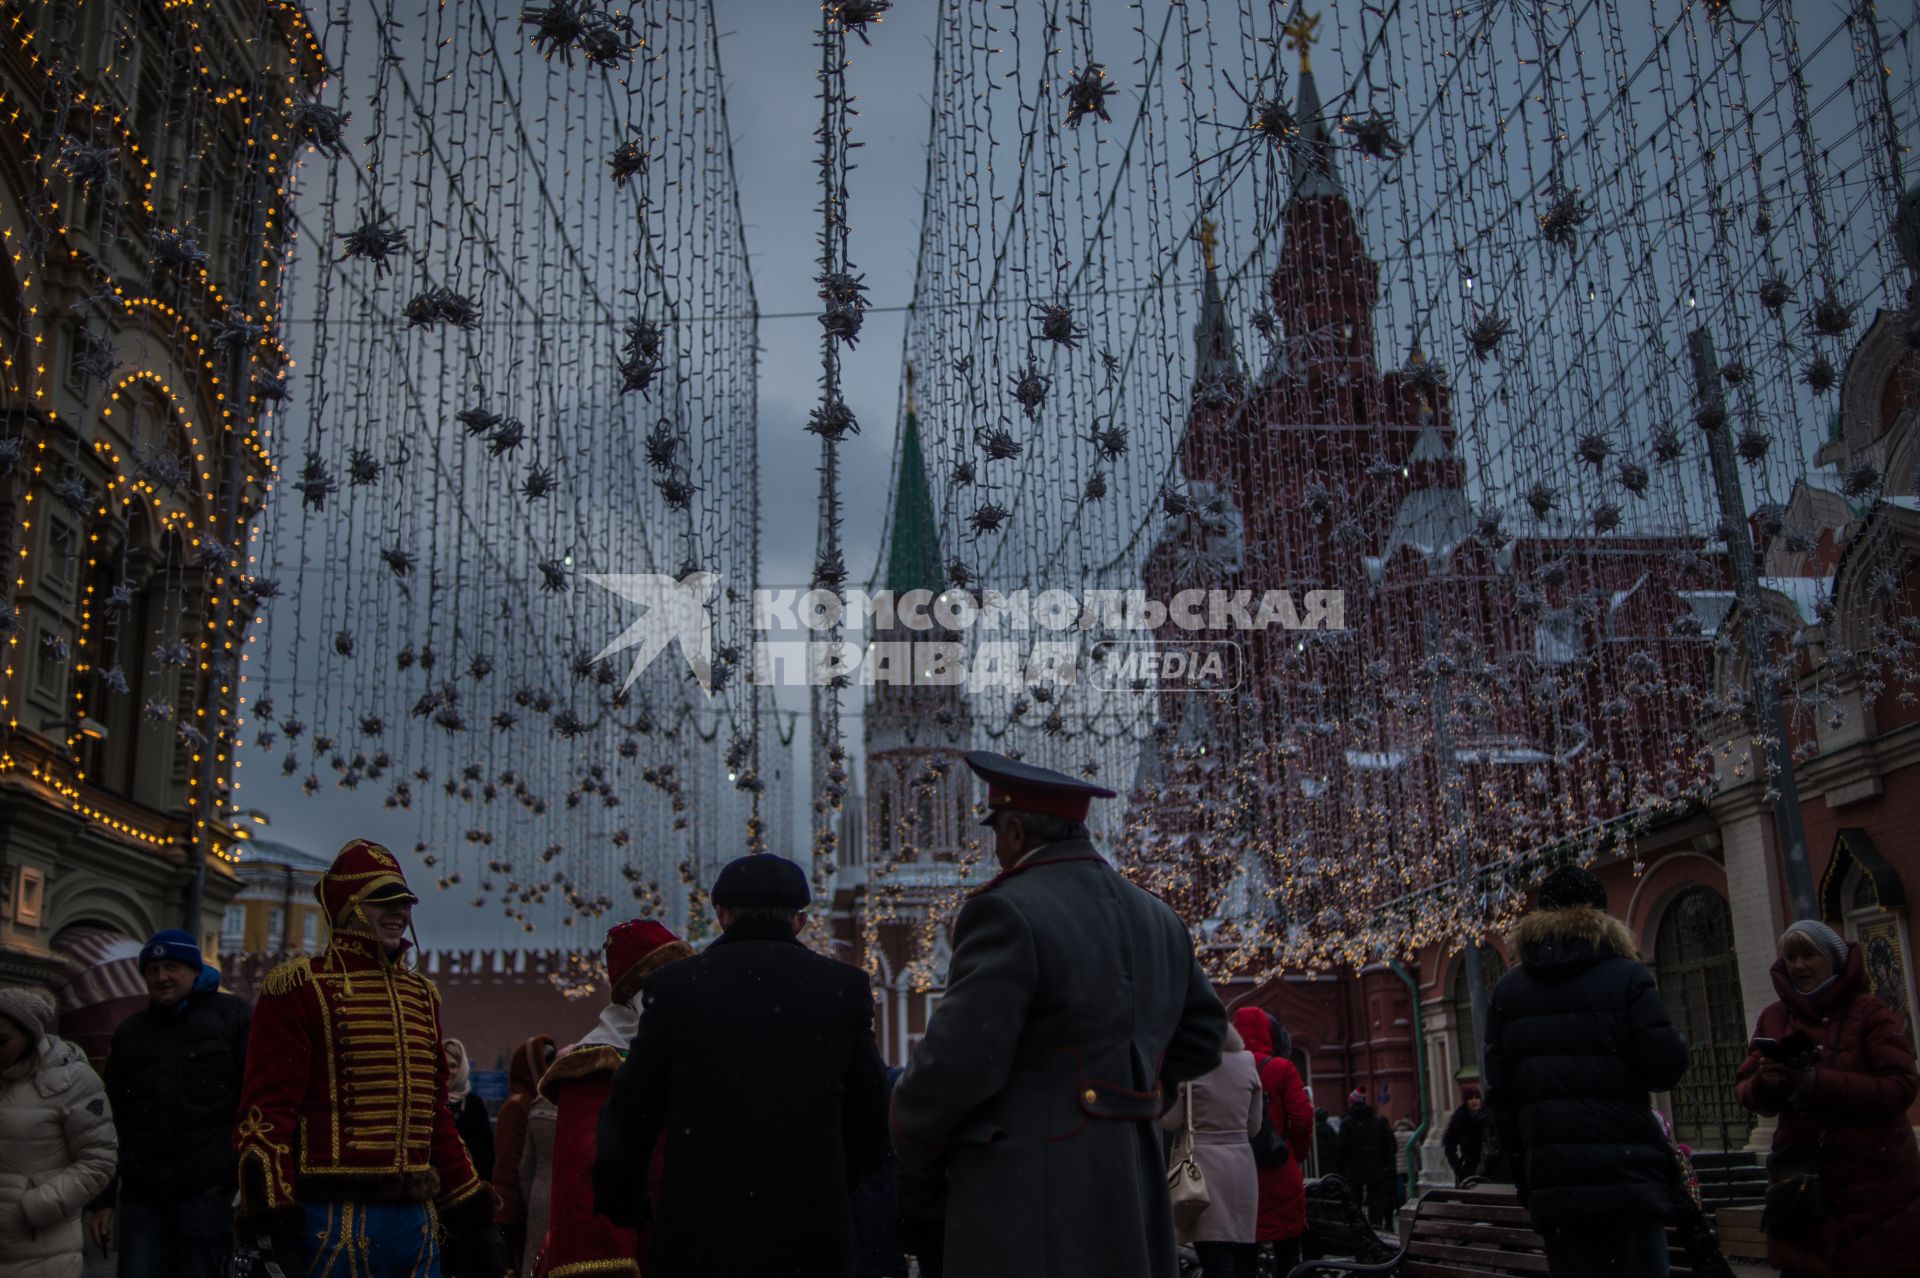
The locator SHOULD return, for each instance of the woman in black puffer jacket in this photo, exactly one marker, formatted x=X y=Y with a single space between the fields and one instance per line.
x=1366 y=1159
x=1577 y=1039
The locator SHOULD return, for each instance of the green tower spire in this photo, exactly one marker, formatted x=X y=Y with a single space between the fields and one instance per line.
x=913 y=551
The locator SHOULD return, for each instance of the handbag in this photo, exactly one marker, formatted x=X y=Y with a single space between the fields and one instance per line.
x=1186 y=1183
x=1698 y=1236
x=1268 y=1149
x=1796 y=1189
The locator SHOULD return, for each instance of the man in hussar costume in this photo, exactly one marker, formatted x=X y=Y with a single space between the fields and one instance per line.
x=579 y=1240
x=350 y=1166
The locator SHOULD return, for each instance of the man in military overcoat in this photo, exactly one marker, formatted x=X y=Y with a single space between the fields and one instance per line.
x=1073 y=1008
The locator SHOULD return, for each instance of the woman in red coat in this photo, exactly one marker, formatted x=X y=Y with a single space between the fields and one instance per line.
x=1848 y=1095
x=529 y=1062
x=1283 y=1191
x=579 y=1240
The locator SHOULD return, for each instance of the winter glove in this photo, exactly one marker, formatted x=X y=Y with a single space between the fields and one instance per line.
x=276 y=1236
x=473 y=1246
x=614 y=1199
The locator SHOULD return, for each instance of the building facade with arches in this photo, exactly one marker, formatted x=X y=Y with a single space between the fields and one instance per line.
x=1700 y=885
x=141 y=208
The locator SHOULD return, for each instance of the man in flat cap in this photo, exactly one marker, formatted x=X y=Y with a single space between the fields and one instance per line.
x=1073 y=1008
x=755 y=1062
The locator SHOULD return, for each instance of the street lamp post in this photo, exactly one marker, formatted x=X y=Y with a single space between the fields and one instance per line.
x=1769 y=719
x=1476 y=972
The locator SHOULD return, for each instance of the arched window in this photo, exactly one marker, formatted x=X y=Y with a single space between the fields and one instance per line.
x=1466 y=1046
x=963 y=826
x=1882 y=935
x=150 y=424
x=882 y=841
x=142 y=760
x=1901 y=392
x=923 y=822
x=15 y=338
x=1700 y=984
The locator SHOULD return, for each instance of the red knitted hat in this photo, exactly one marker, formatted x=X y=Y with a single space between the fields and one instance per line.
x=635 y=948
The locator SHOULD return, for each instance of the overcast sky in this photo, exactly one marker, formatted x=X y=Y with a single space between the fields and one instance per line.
x=770 y=63
x=770 y=60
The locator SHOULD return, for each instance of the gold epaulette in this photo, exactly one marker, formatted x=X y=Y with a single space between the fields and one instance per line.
x=288 y=977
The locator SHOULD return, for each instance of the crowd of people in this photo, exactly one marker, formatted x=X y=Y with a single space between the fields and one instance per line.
x=1578 y=1040
x=729 y=1113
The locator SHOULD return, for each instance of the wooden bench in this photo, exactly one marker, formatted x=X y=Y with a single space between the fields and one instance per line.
x=1465 y=1233
x=1336 y=1225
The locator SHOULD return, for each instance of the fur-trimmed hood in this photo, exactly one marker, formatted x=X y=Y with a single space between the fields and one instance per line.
x=530 y=1060
x=1558 y=943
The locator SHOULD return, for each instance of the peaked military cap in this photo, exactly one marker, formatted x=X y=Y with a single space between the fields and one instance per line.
x=1013 y=786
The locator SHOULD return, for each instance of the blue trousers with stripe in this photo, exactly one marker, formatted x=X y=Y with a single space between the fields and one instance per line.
x=370 y=1240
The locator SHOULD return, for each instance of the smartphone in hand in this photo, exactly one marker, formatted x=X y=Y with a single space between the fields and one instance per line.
x=1790 y=1048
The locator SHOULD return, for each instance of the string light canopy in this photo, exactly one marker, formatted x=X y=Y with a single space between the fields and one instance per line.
x=1397 y=302
x=395 y=328
x=469 y=302
x=529 y=325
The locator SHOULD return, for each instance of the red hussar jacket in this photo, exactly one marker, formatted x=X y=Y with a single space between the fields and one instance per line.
x=345 y=1095
x=1863 y=1082
x=579 y=1240
x=1283 y=1191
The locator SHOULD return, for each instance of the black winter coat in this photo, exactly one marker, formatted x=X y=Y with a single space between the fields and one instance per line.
x=1366 y=1146
x=755 y=1062
x=1463 y=1141
x=879 y=1249
x=173 y=1079
x=475 y=1125
x=1577 y=1038
x=1326 y=1146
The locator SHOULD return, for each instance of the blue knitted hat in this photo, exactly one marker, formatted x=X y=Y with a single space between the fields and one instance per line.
x=171 y=946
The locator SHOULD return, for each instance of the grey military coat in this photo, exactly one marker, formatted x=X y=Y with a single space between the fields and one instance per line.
x=1073 y=1008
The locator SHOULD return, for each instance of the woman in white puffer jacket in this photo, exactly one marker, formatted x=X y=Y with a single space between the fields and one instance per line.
x=56 y=1141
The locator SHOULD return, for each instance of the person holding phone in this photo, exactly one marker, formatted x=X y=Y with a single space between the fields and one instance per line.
x=1835 y=1065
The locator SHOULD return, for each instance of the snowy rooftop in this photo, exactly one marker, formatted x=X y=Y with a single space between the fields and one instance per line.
x=1803 y=592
